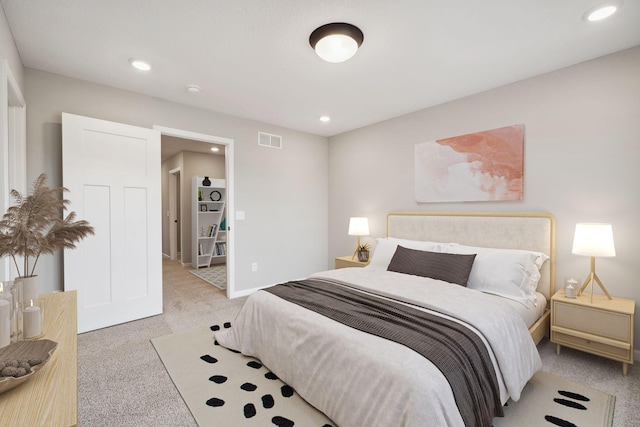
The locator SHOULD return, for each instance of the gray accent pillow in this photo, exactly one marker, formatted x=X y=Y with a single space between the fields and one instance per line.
x=452 y=268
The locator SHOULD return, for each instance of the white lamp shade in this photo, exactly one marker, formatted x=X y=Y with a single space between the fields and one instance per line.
x=336 y=48
x=358 y=226
x=594 y=240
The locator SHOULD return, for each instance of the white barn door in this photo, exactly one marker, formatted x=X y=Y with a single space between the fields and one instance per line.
x=113 y=173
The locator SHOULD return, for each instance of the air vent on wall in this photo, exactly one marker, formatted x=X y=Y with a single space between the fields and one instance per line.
x=269 y=140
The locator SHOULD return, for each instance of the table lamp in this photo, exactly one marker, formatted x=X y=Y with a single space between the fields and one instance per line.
x=594 y=240
x=358 y=226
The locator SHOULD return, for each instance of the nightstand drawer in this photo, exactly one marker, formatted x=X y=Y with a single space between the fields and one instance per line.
x=618 y=350
x=608 y=324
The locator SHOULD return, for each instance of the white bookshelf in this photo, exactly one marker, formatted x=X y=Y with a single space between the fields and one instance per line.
x=209 y=235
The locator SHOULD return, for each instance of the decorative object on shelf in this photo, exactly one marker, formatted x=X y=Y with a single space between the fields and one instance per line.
x=358 y=226
x=32 y=316
x=30 y=289
x=203 y=208
x=37 y=353
x=592 y=239
x=336 y=42
x=10 y=312
x=206 y=181
x=215 y=196
x=571 y=286
x=363 y=252
x=34 y=226
x=223 y=225
x=6 y=318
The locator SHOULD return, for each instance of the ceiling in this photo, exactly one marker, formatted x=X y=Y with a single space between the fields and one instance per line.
x=252 y=58
x=171 y=145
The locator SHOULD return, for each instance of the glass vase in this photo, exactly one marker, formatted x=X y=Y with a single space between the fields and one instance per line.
x=11 y=328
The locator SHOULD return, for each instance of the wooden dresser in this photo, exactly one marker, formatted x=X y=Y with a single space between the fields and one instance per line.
x=50 y=396
x=603 y=327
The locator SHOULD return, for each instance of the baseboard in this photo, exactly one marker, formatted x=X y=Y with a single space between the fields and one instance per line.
x=168 y=257
x=246 y=292
x=636 y=355
x=252 y=290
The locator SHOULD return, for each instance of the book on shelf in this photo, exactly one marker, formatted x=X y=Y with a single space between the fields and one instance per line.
x=211 y=231
x=221 y=248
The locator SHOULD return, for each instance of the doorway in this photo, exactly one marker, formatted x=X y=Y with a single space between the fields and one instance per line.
x=179 y=199
x=13 y=149
x=175 y=204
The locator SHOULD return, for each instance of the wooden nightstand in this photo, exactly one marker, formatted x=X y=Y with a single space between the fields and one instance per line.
x=349 y=261
x=604 y=327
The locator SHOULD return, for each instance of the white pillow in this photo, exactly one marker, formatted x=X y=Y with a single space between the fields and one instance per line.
x=510 y=273
x=386 y=248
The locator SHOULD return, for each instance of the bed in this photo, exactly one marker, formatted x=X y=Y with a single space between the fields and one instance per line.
x=385 y=345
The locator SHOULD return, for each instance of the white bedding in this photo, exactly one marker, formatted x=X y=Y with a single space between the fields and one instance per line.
x=529 y=313
x=359 y=379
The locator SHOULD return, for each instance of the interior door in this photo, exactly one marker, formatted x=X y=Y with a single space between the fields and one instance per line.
x=113 y=173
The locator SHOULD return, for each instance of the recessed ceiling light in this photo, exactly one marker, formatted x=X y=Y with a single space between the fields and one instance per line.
x=325 y=118
x=215 y=149
x=140 y=64
x=602 y=11
x=193 y=89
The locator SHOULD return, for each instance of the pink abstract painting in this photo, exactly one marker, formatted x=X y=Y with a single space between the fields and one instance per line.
x=481 y=166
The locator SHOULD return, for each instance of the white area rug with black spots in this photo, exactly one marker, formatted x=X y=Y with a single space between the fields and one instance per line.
x=548 y=400
x=225 y=388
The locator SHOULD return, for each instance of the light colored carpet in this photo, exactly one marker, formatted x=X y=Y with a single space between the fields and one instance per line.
x=224 y=388
x=121 y=380
x=217 y=384
x=216 y=275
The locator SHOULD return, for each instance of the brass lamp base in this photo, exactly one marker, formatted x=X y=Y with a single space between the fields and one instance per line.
x=594 y=277
x=356 y=251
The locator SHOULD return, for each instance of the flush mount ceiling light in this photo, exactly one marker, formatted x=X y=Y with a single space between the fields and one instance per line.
x=193 y=89
x=139 y=64
x=215 y=149
x=602 y=11
x=336 y=42
x=325 y=119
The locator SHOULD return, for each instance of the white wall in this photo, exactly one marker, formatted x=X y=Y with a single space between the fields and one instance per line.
x=9 y=51
x=12 y=166
x=582 y=161
x=284 y=193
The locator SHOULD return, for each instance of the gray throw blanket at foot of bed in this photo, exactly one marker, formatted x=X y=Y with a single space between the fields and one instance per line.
x=453 y=348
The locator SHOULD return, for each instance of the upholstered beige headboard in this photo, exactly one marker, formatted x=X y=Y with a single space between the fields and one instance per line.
x=532 y=231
